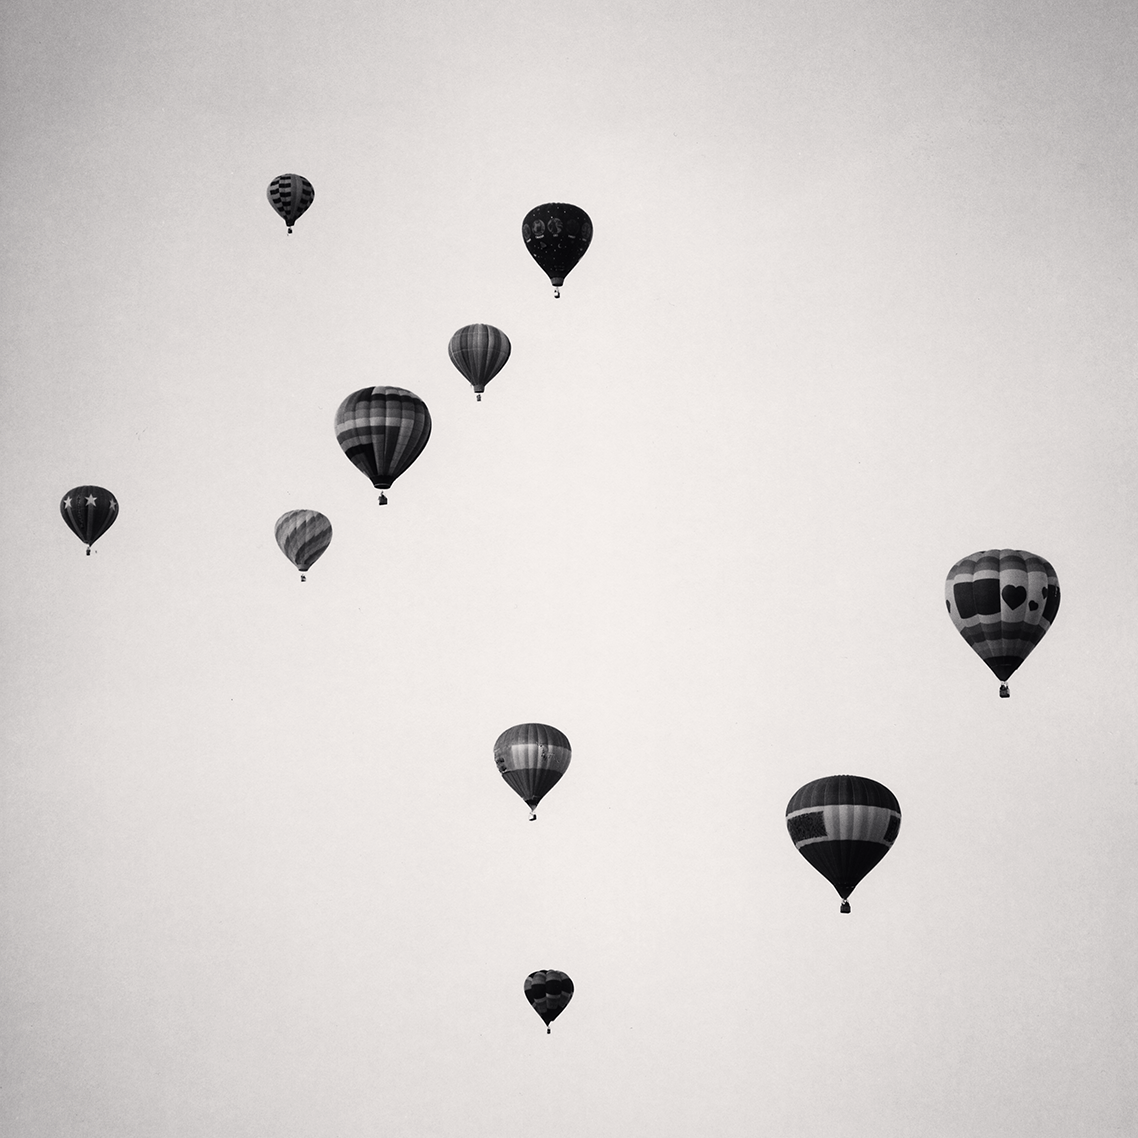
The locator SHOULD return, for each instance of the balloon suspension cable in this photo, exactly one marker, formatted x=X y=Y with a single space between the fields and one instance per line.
x=382 y=498
x=845 y=907
x=1004 y=693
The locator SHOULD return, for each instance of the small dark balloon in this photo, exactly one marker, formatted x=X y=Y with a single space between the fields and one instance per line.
x=549 y=993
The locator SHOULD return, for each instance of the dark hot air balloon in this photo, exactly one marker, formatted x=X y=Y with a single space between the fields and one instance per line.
x=1002 y=601
x=557 y=235
x=383 y=430
x=479 y=351
x=89 y=512
x=303 y=535
x=549 y=992
x=532 y=757
x=290 y=195
x=843 y=826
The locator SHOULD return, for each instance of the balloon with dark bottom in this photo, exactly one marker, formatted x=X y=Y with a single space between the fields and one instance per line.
x=843 y=826
x=557 y=235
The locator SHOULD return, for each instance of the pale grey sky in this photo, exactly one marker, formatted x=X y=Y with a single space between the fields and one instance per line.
x=861 y=301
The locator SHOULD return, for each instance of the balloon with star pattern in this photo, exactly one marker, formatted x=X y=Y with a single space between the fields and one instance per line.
x=89 y=512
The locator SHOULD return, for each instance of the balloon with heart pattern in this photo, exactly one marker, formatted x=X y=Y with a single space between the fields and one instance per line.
x=1002 y=602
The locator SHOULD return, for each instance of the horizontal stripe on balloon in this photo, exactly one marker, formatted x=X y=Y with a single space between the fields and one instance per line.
x=845 y=823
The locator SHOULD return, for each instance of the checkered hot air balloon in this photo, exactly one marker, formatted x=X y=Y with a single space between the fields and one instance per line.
x=549 y=992
x=383 y=430
x=89 y=512
x=303 y=535
x=557 y=235
x=843 y=826
x=479 y=351
x=1002 y=602
x=532 y=757
x=290 y=195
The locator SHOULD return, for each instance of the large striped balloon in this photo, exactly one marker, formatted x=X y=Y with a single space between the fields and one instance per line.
x=383 y=430
x=89 y=512
x=549 y=992
x=843 y=826
x=290 y=195
x=557 y=235
x=303 y=535
x=1002 y=601
x=532 y=757
x=479 y=351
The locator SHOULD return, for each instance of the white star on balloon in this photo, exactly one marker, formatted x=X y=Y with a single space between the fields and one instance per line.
x=67 y=503
x=90 y=499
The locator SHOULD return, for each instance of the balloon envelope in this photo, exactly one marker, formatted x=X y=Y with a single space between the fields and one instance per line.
x=383 y=430
x=532 y=757
x=1002 y=602
x=303 y=535
x=549 y=992
x=89 y=512
x=290 y=195
x=479 y=351
x=557 y=235
x=843 y=826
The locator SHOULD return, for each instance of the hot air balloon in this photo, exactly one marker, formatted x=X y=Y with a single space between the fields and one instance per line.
x=303 y=535
x=549 y=992
x=290 y=195
x=843 y=826
x=532 y=757
x=89 y=512
x=479 y=351
x=383 y=430
x=1002 y=601
x=557 y=235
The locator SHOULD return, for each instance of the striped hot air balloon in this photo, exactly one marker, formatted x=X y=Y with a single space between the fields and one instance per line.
x=843 y=826
x=303 y=535
x=557 y=235
x=89 y=512
x=383 y=430
x=549 y=992
x=1002 y=601
x=532 y=757
x=290 y=195
x=479 y=351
